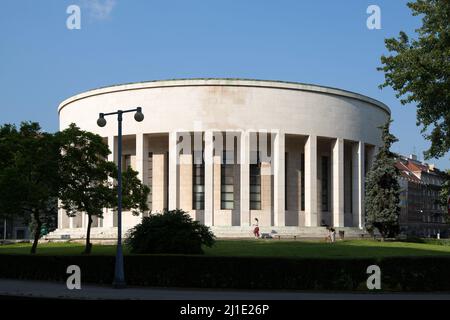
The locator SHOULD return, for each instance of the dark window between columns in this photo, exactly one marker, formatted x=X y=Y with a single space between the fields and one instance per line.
x=198 y=181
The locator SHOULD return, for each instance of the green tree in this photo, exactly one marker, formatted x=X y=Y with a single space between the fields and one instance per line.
x=86 y=177
x=49 y=220
x=134 y=192
x=444 y=194
x=28 y=175
x=9 y=136
x=84 y=173
x=419 y=69
x=383 y=190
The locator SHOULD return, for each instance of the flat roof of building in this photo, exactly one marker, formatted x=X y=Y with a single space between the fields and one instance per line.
x=287 y=85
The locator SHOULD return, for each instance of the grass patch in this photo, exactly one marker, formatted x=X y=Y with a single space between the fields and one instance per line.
x=316 y=249
x=57 y=249
x=265 y=248
x=246 y=264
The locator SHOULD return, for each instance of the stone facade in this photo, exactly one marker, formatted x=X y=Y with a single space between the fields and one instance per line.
x=229 y=151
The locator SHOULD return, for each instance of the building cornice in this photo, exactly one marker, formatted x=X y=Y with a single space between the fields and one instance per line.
x=224 y=82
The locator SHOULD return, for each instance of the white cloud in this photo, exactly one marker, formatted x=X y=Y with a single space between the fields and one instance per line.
x=99 y=9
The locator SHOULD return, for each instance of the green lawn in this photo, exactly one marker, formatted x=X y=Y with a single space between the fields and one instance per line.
x=274 y=248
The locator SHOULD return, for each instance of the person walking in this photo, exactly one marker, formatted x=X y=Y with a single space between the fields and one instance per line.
x=333 y=235
x=256 y=229
x=328 y=237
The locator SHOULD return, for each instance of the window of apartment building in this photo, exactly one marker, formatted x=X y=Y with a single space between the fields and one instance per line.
x=150 y=180
x=198 y=181
x=325 y=183
x=227 y=181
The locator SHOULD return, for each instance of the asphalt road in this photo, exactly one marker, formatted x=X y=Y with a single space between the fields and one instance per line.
x=38 y=289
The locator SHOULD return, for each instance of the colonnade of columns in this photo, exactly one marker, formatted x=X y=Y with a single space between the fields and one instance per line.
x=358 y=161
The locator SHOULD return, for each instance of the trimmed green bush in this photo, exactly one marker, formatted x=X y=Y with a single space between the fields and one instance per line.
x=400 y=274
x=439 y=242
x=169 y=232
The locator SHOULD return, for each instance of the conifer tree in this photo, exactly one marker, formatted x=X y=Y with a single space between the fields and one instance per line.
x=383 y=190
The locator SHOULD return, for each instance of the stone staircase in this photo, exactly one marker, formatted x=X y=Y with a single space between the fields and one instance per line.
x=286 y=232
x=80 y=233
x=235 y=232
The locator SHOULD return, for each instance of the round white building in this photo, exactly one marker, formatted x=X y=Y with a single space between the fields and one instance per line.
x=228 y=151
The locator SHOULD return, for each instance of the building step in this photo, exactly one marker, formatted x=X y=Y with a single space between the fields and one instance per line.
x=219 y=232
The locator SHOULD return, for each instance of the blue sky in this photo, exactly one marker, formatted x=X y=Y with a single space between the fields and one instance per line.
x=315 y=41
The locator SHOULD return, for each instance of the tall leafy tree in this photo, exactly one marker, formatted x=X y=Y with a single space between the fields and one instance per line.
x=28 y=175
x=86 y=179
x=383 y=190
x=134 y=192
x=418 y=69
x=444 y=194
x=9 y=136
x=84 y=172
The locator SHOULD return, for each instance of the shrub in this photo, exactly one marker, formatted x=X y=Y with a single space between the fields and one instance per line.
x=439 y=242
x=169 y=232
x=263 y=273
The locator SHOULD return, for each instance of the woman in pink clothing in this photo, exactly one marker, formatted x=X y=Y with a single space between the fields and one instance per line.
x=256 y=230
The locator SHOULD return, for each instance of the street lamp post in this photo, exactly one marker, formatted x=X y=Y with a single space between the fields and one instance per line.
x=119 y=277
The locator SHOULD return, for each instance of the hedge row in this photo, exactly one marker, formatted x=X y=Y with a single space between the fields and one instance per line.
x=400 y=274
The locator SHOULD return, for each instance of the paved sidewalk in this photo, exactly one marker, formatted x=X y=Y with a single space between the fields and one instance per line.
x=38 y=289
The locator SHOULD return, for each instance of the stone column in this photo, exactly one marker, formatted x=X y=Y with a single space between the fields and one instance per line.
x=266 y=217
x=108 y=214
x=245 y=178
x=63 y=219
x=358 y=184
x=279 y=180
x=220 y=218
x=209 y=178
x=362 y=184
x=173 y=179
x=159 y=182
x=311 y=181
x=186 y=201
x=83 y=220
x=142 y=159
x=60 y=216
x=338 y=182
